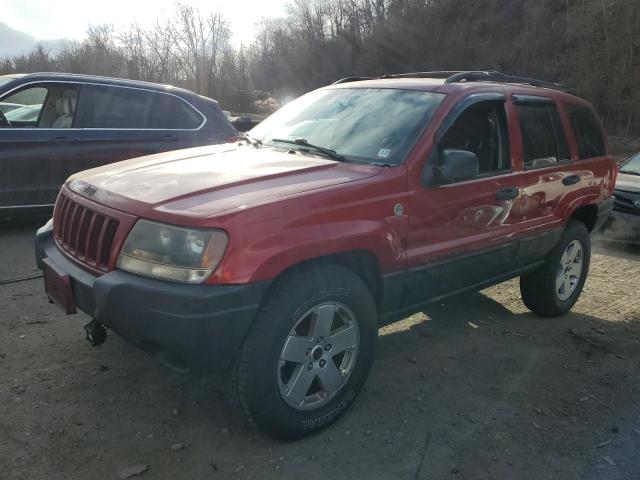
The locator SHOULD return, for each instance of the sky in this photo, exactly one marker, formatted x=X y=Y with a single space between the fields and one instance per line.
x=54 y=19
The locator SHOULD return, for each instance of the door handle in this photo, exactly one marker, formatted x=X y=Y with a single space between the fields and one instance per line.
x=168 y=137
x=507 y=193
x=571 y=180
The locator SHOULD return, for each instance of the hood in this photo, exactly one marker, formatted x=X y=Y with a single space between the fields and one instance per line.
x=201 y=182
x=628 y=183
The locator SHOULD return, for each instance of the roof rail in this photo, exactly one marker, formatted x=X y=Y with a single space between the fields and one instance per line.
x=469 y=76
x=498 y=77
x=352 y=79
x=436 y=74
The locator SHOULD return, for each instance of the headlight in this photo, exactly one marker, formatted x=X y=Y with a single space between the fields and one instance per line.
x=172 y=253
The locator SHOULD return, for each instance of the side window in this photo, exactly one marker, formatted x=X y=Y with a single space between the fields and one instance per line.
x=482 y=129
x=44 y=106
x=558 y=130
x=117 y=107
x=22 y=109
x=170 y=112
x=588 y=132
x=543 y=137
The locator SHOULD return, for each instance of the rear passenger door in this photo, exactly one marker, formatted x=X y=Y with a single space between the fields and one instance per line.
x=126 y=122
x=551 y=180
x=591 y=150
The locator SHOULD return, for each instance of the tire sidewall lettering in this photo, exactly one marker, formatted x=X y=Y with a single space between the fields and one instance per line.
x=313 y=423
x=318 y=298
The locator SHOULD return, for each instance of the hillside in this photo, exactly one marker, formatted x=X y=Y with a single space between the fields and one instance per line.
x=14 y=42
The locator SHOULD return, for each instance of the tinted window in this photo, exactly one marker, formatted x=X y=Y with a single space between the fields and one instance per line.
x=558 y=129
x=632 y=165
x=481 y=129
x=543 y=140
x=117 y=107
x=588 y=133
x=113 y=107
x=172 y=113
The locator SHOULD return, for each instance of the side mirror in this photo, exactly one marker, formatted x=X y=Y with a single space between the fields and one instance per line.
x=456 y=165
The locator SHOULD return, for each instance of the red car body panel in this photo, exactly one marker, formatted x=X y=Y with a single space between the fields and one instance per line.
x=281 y=209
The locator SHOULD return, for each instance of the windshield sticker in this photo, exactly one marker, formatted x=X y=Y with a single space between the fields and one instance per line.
x=384 y=152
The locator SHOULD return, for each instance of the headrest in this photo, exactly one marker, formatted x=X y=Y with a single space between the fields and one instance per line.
x=66 y=104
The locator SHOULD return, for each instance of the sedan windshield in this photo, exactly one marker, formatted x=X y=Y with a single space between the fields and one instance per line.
x=631 y=166
x=372 y=125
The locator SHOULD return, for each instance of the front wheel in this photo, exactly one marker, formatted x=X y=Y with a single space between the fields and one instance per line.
x=554 y=287
x=308 y=353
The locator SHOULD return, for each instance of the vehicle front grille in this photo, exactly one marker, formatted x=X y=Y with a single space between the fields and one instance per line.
x=84 y=234
x=624 y=202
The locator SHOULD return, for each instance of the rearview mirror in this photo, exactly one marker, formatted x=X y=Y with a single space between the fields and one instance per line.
x=456 y=165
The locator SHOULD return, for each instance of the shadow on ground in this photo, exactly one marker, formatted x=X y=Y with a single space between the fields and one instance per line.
x=472 y=388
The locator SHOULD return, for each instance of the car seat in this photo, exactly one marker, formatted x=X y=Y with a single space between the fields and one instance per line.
x=65 y=108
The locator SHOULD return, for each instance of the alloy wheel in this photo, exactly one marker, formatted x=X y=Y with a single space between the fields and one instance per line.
x=570 y=270
x=318 y=356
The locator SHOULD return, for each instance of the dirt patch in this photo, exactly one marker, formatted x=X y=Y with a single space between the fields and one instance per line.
x=476 y=387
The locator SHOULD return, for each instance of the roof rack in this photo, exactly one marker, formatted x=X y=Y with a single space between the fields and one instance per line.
x=436 y=74
x=468 y=76
x=352 y=79
x=498 y=77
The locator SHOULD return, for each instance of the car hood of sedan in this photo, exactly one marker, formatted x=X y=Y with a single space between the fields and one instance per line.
x=628 y=183
x=204 y=181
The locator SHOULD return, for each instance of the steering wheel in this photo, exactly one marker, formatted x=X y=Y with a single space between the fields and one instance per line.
x=3 y=120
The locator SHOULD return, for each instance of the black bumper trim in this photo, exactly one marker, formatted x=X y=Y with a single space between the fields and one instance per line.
x=201 y=325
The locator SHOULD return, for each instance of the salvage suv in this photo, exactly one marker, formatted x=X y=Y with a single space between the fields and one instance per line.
x=277 y=258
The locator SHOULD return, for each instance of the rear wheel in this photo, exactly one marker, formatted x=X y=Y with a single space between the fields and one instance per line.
x=308 y=353
x=554 y=287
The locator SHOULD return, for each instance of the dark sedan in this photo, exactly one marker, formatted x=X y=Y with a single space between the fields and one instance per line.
x=624 y=223
x=66 y=123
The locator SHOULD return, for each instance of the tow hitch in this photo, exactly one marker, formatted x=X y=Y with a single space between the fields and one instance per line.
x=96 y=332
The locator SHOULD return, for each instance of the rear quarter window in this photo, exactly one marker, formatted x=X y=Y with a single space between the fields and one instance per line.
x=588 y=132
x=170 y=112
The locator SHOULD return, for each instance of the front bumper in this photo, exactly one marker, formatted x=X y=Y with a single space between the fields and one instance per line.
x=188 y=327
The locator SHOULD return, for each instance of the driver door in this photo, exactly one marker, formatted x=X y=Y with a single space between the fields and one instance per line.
x=37 y=145
x=459 y=233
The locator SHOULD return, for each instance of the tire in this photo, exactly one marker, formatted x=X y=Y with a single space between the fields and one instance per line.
x=281 y=380
x=541 y=290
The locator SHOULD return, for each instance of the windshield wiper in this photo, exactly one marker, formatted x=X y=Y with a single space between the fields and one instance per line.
x=303 y=143
x=629 y=172
x=250 y=140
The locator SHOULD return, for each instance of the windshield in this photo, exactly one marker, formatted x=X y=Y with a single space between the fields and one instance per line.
x=632 y=165
x=362 y=124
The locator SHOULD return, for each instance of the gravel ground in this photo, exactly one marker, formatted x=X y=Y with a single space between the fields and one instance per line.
x=475 y=387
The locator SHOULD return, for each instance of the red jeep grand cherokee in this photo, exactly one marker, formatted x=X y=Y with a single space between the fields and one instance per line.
x=277 y=259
